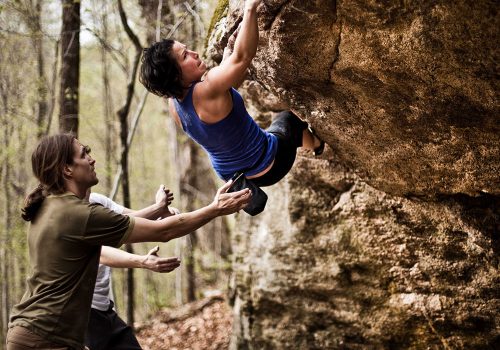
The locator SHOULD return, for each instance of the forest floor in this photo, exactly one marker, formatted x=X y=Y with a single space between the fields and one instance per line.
x=203 y=324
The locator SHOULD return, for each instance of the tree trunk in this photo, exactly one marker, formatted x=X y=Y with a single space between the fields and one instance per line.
x=130 y=290
x=6 y=246
x=107 y=106
x=190 y=179
x=70 y=67
x=188 y=182
x=190 y=267
x=37 y=38
x=174 y=159
x=7 y=220
x=53 y=82
x=123 y=117
x=158 y=14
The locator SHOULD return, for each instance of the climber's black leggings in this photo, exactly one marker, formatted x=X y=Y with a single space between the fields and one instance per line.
x=288 y=128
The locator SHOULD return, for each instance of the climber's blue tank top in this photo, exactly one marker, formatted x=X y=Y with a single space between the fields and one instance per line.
x=235 y=143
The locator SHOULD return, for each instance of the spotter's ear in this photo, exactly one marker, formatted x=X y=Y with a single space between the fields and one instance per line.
x=67 y=171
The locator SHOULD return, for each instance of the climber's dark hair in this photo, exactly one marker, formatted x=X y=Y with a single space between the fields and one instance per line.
x=160 y=73
x=47 y=161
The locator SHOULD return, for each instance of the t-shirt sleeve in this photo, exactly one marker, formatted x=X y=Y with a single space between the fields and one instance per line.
x=106 y=202
x=105 y=227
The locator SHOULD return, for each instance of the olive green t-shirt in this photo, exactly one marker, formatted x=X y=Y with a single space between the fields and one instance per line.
x=65 y=240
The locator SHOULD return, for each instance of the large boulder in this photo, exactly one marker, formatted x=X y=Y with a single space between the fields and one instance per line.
x=390 y=240
x=334 y=263
x=406 y=93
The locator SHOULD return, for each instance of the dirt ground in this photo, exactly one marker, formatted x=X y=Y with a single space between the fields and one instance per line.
x=204 y=324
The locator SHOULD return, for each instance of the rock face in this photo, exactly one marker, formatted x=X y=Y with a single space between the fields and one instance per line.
x=337 y=264
x=391 y=239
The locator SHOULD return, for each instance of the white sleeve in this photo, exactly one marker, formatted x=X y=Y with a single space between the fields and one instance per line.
x=106 y=202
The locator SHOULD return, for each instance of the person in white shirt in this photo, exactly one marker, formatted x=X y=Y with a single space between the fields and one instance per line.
x=106 y=330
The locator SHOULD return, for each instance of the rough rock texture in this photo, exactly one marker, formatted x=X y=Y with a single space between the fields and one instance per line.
x=336 y=264
x=391 y=239
x=405 y=92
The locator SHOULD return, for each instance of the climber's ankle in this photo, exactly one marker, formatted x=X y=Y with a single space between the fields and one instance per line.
x=318 y=145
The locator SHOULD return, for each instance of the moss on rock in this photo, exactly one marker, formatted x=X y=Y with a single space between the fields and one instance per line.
x=219 y=13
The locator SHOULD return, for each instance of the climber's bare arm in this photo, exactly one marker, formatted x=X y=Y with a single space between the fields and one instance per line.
x=233 y=69
x=228 y=50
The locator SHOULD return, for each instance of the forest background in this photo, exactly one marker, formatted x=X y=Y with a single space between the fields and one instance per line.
x=39 y=96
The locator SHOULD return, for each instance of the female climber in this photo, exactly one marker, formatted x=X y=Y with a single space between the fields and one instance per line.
x=209 y=109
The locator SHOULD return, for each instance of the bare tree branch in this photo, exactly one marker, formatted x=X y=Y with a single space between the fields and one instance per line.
x=129 y=31
x=125 y=135
x=197 y=16
x=179 y=22
x=131 y=83
x=158 y=20
x=135 y=122
x=116 y=54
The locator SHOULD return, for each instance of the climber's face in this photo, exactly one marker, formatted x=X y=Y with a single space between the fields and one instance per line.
x=189 y=61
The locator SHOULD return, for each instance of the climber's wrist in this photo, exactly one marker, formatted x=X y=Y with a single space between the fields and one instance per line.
x=251 y=5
